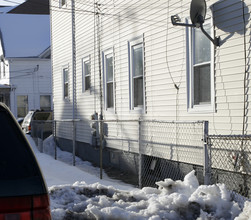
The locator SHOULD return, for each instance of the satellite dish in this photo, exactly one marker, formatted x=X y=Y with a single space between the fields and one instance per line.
x=198 y=10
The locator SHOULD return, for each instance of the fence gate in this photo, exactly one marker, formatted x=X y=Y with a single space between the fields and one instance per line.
x=231 y=162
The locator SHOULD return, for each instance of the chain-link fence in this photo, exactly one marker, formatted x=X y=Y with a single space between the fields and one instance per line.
x=40 y=130
x=230 y=162
x=152 y=150
x=163 y=149
x=172 y=149
x=155 y=150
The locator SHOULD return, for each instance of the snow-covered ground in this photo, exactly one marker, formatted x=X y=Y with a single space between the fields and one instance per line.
x=78 y=193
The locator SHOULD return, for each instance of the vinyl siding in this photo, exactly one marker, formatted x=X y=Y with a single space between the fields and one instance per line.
x=26 y=79
x=166 y=62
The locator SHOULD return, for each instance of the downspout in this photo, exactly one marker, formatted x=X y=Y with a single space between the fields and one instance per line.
x=73 y=61
x=73 y=83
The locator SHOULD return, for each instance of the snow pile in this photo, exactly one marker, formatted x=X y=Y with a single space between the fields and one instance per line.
x=246 y=214
x=78 y=193
x=172 y=200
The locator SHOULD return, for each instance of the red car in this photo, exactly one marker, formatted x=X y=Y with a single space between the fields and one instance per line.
x=23 y=191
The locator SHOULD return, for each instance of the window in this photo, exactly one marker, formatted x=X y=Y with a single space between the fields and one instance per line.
x=201 y=77
x=66 y=82
x=2 y=69
x=45 y=102
x=136 y=63
x=108 y=79
x=62 y=3
x=22 y=105
x=86 y=74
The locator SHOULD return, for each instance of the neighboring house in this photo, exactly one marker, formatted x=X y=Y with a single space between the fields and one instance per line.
x=25 y=67
x=150 y=69
x=32 y=7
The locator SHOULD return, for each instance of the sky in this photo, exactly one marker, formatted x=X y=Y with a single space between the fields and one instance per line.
x=76 y=192
x=25 y=35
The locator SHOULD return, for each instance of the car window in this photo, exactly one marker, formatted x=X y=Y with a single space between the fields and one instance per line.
x=19 y=172
x=43 y=116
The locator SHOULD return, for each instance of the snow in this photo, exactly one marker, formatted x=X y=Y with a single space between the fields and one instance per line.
x=10 y=2
x=24 y=35
x=78 y=193
x=5 y=9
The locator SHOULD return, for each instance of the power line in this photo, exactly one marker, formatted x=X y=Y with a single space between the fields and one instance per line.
x=82 y=11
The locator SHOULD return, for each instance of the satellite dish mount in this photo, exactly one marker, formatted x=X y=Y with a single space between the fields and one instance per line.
x=197 y=16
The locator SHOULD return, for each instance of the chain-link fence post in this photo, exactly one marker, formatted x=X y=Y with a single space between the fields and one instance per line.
x=140 y=156
x=42 y=136
x=101 y=145
x=55 y=138
x=74 y=142
x=207 y=163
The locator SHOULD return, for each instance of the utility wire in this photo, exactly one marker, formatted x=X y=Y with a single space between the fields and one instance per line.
x=82 y=11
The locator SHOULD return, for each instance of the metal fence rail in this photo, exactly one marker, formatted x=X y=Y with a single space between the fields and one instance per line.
x=230 y=162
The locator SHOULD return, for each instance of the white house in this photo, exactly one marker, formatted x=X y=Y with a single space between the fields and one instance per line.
x=126 y=60
x=25 y=67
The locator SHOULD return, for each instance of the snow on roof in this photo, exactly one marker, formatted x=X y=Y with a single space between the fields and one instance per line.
x=5 y=9
x=24 y=35
x=32 y=7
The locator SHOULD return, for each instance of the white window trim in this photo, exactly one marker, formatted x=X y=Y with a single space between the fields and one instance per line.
x=104 y=54
x=131 y=43
x=84 y=60
x=204 y=108
x=63 y=83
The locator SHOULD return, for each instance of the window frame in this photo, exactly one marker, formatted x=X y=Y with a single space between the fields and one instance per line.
x=61 y=5
x=25 y=106
x=131 y=44
x=65 y=97
x=206 y=107
x=110 y=53
x=84 y=76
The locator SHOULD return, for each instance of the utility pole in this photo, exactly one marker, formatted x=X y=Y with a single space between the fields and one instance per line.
x=97 y=12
